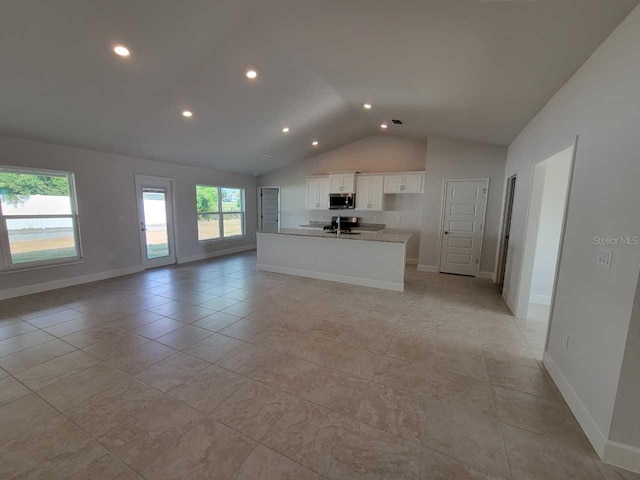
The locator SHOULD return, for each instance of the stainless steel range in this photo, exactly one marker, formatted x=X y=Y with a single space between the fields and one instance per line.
x=342 y=225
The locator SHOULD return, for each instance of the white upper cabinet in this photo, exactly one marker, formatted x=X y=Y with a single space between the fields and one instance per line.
x=369 y=188
x=318 y=193
x=411 y=182
x=370 y=192
x=342 y=182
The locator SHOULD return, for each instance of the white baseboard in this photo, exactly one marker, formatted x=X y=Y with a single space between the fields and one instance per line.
x=332 y=277
x=610 y=451
x=623 y=456
x=540 y=299
x=217 y=253
x=428 y=268
x=67 y=282
x=588 y=424
x=488 y=275
x=411 y=261
x=508 y=300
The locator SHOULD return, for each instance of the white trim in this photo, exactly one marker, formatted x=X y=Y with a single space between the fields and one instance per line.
x=67 y=282
x=508 y=300
x=526 y=263
x=540 y=299
x=428 y=268
x=411 y=261
x=588 y=424
x=332 y=277
x=217 y=253
x=565 y=215
x=610 y=451
x=489 y=275
x=6 y=262
x=621 y=455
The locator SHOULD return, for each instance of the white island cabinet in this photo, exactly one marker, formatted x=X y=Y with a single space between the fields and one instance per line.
x=369 y=259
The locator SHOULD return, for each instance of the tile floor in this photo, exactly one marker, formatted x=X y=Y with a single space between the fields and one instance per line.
x=211 y=370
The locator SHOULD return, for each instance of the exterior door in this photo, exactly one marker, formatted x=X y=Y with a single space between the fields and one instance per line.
x=269 y=210
x=155 y=214
x=464 y=210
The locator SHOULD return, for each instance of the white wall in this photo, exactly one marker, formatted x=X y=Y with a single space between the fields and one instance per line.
x=377 y=153
x=601 y=103
x=551 y=214
x=105 y=189
x=451 y=159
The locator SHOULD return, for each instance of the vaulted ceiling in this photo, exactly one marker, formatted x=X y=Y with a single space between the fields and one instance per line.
x=473 y=69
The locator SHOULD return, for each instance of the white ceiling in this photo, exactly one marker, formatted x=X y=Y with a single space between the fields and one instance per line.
x=478 y=70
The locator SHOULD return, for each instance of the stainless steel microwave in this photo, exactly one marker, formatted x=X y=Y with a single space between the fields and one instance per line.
x=341 y=201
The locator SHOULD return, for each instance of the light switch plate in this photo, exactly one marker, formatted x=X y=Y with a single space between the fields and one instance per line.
x=604 y=258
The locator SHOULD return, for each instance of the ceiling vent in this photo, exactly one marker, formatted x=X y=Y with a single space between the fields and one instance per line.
x=397 y=122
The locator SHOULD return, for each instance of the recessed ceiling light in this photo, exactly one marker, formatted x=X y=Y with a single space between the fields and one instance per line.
x=121 y=50
x=187 y=113
x=384 y=125
x=252 y=74
x=285 y=130
x=314 y=143
x=367 y=106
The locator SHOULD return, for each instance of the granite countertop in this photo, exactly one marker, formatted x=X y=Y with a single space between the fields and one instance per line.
x=374 y=236
x=373 y=227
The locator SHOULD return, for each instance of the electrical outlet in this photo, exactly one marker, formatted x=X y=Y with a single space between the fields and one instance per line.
x=122 y=219
x=565 y=342
x=398 y=219
x=112 y=257
x=605 y=257
x=375 y=218
x=320 y=259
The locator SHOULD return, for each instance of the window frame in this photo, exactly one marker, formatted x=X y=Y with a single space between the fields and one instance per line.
x=222 y=237
x=6 y=265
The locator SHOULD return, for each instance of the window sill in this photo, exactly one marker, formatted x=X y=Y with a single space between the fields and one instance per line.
x=221 y=240
x=40 y=267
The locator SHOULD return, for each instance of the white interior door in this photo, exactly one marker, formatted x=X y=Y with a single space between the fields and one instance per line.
x=155 y=214
x=269 y=210
x=463 y=226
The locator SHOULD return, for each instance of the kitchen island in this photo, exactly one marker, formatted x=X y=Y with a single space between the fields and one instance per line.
x=371 y=259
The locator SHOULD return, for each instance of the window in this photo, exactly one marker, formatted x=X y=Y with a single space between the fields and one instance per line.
x=220 y=212
x=39 y=218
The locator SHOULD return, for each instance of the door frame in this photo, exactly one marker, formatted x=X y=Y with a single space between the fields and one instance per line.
x=141 y=181
x=525 y=273
x=259 y=198
x=442 y=215
x=507 y=217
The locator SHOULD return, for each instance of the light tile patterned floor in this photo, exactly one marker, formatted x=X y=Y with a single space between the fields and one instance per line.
x=211 y=370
